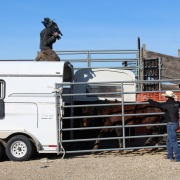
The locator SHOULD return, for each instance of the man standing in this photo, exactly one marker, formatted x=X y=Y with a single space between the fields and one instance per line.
x=171 y=108
x=48 y=36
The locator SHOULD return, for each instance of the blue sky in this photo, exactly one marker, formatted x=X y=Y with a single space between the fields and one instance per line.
x=90 y=25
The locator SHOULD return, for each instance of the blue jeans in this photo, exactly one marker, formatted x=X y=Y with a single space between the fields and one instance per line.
x=171 y=142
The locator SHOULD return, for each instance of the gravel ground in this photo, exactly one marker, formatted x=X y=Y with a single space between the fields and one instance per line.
x=131 y=165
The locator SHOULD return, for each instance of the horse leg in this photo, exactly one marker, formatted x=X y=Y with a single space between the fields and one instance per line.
x=152 y=140
x=155 y=140
x=119 y=134
x=162 y=130
x=97 y=141
x=149 y=141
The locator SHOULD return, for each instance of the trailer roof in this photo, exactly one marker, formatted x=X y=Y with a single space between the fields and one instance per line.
x=32 y=68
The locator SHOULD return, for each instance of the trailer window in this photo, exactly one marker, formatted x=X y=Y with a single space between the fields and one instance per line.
x=2 y=89
x=104 y=89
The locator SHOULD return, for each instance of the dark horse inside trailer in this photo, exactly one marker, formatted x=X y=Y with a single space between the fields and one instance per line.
x=110 y=113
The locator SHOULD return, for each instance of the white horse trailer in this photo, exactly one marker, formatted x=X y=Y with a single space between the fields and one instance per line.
x=29 y=107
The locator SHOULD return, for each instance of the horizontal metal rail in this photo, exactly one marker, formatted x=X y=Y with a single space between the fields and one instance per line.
x=124 y=82
x=112 y=127
x=114 y=149
x=113 y=138
x=125 y=51
x=111 y=115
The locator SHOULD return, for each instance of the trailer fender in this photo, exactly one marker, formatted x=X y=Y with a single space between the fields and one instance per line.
x=5 y=135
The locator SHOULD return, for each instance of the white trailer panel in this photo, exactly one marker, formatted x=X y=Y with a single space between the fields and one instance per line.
x=105 y=75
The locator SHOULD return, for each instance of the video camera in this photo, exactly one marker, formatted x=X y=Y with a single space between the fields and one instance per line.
x=48 y=23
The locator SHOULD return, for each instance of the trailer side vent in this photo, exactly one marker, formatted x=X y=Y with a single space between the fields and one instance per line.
x=107 y=91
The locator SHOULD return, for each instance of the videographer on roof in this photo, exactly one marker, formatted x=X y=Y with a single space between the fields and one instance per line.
x=48 y=36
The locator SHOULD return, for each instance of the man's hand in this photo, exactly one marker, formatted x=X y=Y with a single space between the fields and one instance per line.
x=55 y=34
x=145 y=98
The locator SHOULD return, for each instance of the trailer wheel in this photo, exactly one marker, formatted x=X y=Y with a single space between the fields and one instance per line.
x=19 y=148
x=2 y=151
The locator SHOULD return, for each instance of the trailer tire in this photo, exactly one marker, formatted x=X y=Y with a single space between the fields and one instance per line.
x=19 y=148
x=2 y=151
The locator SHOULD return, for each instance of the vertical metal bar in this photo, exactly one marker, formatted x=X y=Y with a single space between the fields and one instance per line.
x=60 y=128
x=159 y=71
x=72 y=108
x=139 y=45
x=89 y=59
x=72 y=113
x=138 y=63
x=123 y=124
x=57 y=121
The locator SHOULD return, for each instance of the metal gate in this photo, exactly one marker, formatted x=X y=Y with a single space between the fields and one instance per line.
x=78 y=139
x=152 y=71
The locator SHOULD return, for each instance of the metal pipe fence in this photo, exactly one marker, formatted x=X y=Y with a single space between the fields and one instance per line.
x=101 y=58
x=79 y=139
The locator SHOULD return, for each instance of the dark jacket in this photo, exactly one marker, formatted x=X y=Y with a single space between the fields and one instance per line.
x=171 y=108
x=46 y=39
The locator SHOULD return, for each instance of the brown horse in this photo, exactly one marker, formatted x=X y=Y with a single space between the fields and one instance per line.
x=133 y=114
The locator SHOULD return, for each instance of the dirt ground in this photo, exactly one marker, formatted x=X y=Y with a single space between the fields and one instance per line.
x=131 y=165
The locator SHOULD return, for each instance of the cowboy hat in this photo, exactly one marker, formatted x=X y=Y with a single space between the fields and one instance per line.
x=169 y=94
x=47 y=22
